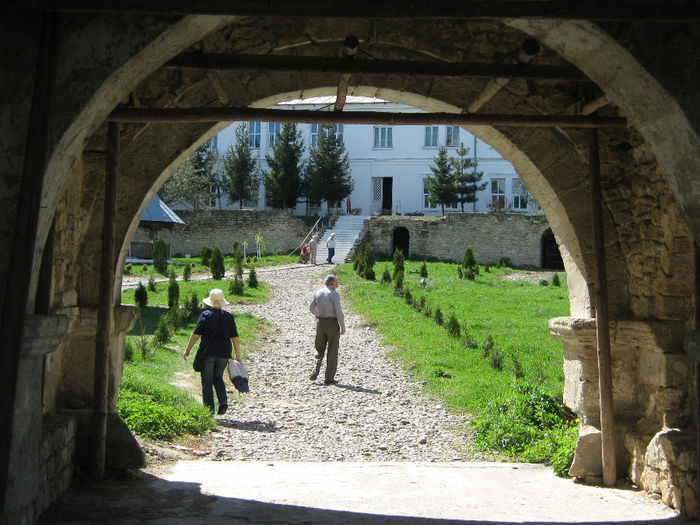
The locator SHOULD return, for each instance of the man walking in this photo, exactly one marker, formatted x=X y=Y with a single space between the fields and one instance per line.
x=330 y=325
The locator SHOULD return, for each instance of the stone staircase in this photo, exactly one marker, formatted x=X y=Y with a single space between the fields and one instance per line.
x=346 y=229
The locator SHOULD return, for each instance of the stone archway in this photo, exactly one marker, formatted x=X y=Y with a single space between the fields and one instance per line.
x=649 y=169
x=401 y=241
x=550 y=256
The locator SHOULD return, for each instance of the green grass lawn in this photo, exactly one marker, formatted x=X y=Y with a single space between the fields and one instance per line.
x=201 y=289
x=514 y=313
x=147 y=270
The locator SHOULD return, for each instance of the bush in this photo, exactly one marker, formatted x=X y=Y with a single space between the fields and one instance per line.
x=407 y=296
x=151 y=284
x=127 y=269
x=487 y=347
x=369 y=260
x=421 y=303
x=460 y=275
x=192 y=306
x=386 y=276
x=468 y=261
x=206 y=253
x=398 y=262
x=128 y=351
x=173 y=291
x=176 y=318
x=452 y=326
x=162 y=334
x=237 y=259
x=518 y=371
x=438 y=317
x=217 y=264
x=141 y=295
x=160 y=256
x=496 y=360
x=398 y=283
x=252 y=278
x=504 y=262
x=187 y=272
x=543 y=282
x=555 y=280
x=357 y=262
x=470 y=275
x=565 y=438
x=369 y=274
x=424 y=270
x=236 y=287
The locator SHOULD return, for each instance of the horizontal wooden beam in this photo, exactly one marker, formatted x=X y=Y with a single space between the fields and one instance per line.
x=387 y=67
x=189 y=115
x=620 y=10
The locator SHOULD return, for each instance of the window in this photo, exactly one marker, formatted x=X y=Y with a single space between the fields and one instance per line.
x=452 y=138
x=339 y=131
x=254 y=133
x=498 y=191
x=273 y=129
x=521 y=197
x=382 y=137
x=314 y=134
x=426 y=194
x=431 y=137
x=214 y=142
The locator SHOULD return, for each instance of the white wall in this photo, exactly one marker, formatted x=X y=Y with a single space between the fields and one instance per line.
x=407 y=162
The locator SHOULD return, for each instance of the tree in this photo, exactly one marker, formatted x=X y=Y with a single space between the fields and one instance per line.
x=328 y=175
x=160 y=255
x=467 y=178
x=240 y=178
x=442 y=185
x=217 y=264
x=194 y=182
x=283 y=183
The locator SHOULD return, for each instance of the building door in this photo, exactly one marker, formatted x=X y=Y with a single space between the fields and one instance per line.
x=377 y=194
x=387 y=193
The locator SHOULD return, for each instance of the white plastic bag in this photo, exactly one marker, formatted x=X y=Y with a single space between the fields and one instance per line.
x=238 y=375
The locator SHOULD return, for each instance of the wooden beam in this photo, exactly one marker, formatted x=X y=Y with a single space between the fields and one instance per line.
x=383 y=67
x=106 y=307
x=607 y=409
x=342 y=92
x=189 y=115
x=620 y=10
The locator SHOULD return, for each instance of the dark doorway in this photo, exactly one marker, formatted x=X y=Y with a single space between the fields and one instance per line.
x=551 y=257
x=387 y=196
x=401 y=240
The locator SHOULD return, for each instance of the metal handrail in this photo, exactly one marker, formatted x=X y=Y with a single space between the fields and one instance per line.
x=311 y=231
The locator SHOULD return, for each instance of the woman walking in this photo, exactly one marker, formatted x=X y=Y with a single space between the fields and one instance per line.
x=217 y=330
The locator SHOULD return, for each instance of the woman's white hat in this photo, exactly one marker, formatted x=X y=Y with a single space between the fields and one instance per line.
x=215 y=299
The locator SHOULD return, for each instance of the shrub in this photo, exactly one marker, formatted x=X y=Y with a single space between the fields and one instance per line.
x=236 y=287
x=398 y=262
x=127 y=269
x=424 y=270
x=487 y=346
x=459 y=272
x=160 y=256
x=504 y=262
x=252 y=278
x=427 y=311
x=398 y=282
x=173 y=291
x=128 y=350
x=356 y=262
x=369 y=260
x=151 y=284
x=470 y=275
x=407 y=296
x=518 y=371
x=206 y=253
x=141 y=295
x=565 y=438
x=543 y=282
x=555 y=280
x=468 y=261
x=496 y=360
x=452 y=326
x=162 y=334
x=217 y=264
x=369 y=274
x=176 y=318
x=438 y=317
x=421 y=303
x=237 y=259
x=470 y=342
x=360 y=266
x=187 y=272
x=192 y=306
x=386 y=276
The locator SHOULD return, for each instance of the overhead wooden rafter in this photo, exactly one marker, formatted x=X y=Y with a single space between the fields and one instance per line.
x=190 y=115
x=620 y=10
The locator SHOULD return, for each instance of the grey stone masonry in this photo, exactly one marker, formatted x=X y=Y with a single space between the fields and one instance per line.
x=491 y=236
x=281 y=231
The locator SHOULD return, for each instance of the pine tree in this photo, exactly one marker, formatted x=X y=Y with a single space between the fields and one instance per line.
x=442 y=185
x=195 y=180
x=160 y=256
x=328 y=175
x=173 y=291
x=240 y=178
x=217 y=264
x=467 y=178
x=283 y=183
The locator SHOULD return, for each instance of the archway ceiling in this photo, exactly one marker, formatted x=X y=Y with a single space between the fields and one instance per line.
x=560 y=155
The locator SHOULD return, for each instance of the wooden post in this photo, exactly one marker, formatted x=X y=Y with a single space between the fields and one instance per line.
x=607 y=416
x=106 y=305
x=697 y=381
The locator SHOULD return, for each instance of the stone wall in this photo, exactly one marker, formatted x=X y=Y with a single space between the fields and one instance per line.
x=491 y=236
x=281 y=231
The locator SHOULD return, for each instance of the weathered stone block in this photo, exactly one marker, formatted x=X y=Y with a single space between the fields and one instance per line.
x=587 y=459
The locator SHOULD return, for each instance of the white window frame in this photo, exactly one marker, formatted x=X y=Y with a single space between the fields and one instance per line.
x=452 y=136
x=273 y=130
x=383 y=137
x=500 y=193
x=427 y=205
x=431 y=137
x=521 y=197
x=255 y=134
x=314 y=135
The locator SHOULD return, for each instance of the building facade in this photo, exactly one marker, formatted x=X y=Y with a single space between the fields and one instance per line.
x=389 y=164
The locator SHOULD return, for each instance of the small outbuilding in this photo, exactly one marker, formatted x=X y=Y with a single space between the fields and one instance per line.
x=157 y=219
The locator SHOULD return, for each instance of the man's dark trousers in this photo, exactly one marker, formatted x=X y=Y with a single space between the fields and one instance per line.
x=327 y=333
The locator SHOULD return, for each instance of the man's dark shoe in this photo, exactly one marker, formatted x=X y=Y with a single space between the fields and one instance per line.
x=313 y=376
x=330 y=382
x=222 y=409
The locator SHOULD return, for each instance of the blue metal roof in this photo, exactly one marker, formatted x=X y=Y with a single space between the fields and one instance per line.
x=158 y=211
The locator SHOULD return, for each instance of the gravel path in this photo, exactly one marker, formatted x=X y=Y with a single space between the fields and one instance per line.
x=375 y=413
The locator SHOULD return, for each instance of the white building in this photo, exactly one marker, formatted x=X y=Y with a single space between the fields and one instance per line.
x=389 y=164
